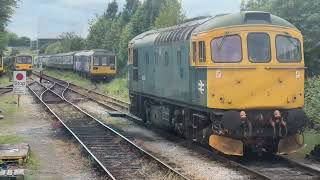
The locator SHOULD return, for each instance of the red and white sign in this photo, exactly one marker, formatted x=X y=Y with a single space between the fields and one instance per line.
x=19 y=82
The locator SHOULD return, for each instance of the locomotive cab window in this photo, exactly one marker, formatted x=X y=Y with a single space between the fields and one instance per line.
x=288 y=49
x=104 y=60
x=259 y=48
x=194 y=51
x=24 y=60
x=202 y=51
x=227 y=49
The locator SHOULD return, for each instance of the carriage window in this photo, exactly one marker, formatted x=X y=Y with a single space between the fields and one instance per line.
x=96 y=61
x=147 y=58
x=166 y=58
x=288 y=49
x=202 y=51
x=24 y=60
x=104 y=60
x=179 y=60
x=259 y=47
x=112 y=61
x=227 y=49
x=194 y=51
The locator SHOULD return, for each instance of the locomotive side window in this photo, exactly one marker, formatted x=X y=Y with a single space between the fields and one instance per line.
x=135 y=58
x=194 y=51
x=288 y=49
x=147 y=58
x=156 y=58
x=179 y=60
x=227 y=49
x=202 y=51
x=166 y=58
x=259 y=47
x=135 y=72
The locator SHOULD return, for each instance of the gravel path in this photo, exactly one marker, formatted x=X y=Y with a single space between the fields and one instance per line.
x=56 y=155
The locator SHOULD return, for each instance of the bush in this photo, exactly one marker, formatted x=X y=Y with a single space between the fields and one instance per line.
x=312 y=99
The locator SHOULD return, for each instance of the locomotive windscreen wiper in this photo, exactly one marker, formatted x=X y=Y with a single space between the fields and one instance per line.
x=222 y=40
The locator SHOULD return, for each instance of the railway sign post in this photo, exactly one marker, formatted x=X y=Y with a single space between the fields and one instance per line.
x=19 y=83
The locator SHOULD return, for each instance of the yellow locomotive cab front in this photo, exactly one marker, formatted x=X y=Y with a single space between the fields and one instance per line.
x=239 y=80
x=253 y=69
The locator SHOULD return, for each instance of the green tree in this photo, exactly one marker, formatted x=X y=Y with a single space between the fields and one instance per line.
x=112 y=10
x=305 y=15
x=54 y=48
x=72 y=42
x=15 y=41
x=69 y=42
x=6 y=11
x=170 y=14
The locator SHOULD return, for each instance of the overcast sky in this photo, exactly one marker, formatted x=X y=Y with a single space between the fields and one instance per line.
x=49 y=18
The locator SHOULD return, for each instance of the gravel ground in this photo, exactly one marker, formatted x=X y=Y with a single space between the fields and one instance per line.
x=177 y=154
x=55 y=155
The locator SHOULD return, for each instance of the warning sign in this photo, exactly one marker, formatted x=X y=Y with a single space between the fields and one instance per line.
x=19 y=82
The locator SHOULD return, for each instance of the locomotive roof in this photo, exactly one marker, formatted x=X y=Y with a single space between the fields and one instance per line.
x=92 y=52
x=243 y=18
x=182 y=32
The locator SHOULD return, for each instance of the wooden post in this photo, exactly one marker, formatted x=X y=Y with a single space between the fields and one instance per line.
x=19 y=100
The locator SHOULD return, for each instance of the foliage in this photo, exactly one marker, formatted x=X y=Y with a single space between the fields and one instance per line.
x=3 y=41
x=15 y=41
x=11 y=139
x=304 y=15
x=114 y=29
x=69 y=42
x=170 y=14
x=6 y=10
x=54 y=48
x=312 y=98
x=112 y=10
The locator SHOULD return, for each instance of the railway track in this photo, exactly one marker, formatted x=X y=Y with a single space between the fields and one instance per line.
x=275 y=167
x=7 y=89
x=116 y=104
x=118 y=156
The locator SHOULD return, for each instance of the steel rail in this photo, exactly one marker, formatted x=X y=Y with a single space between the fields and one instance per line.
x=110 y=129
x=6 y=89
x=70 y=131
x=116 y=101
x=107 y=105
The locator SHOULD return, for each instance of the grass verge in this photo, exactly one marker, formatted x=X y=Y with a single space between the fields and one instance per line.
x=118 y=87
x=311 y=138
x=4 y=80
x=11 y=139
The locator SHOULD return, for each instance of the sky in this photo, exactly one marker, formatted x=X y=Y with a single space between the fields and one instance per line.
x=49 y=18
